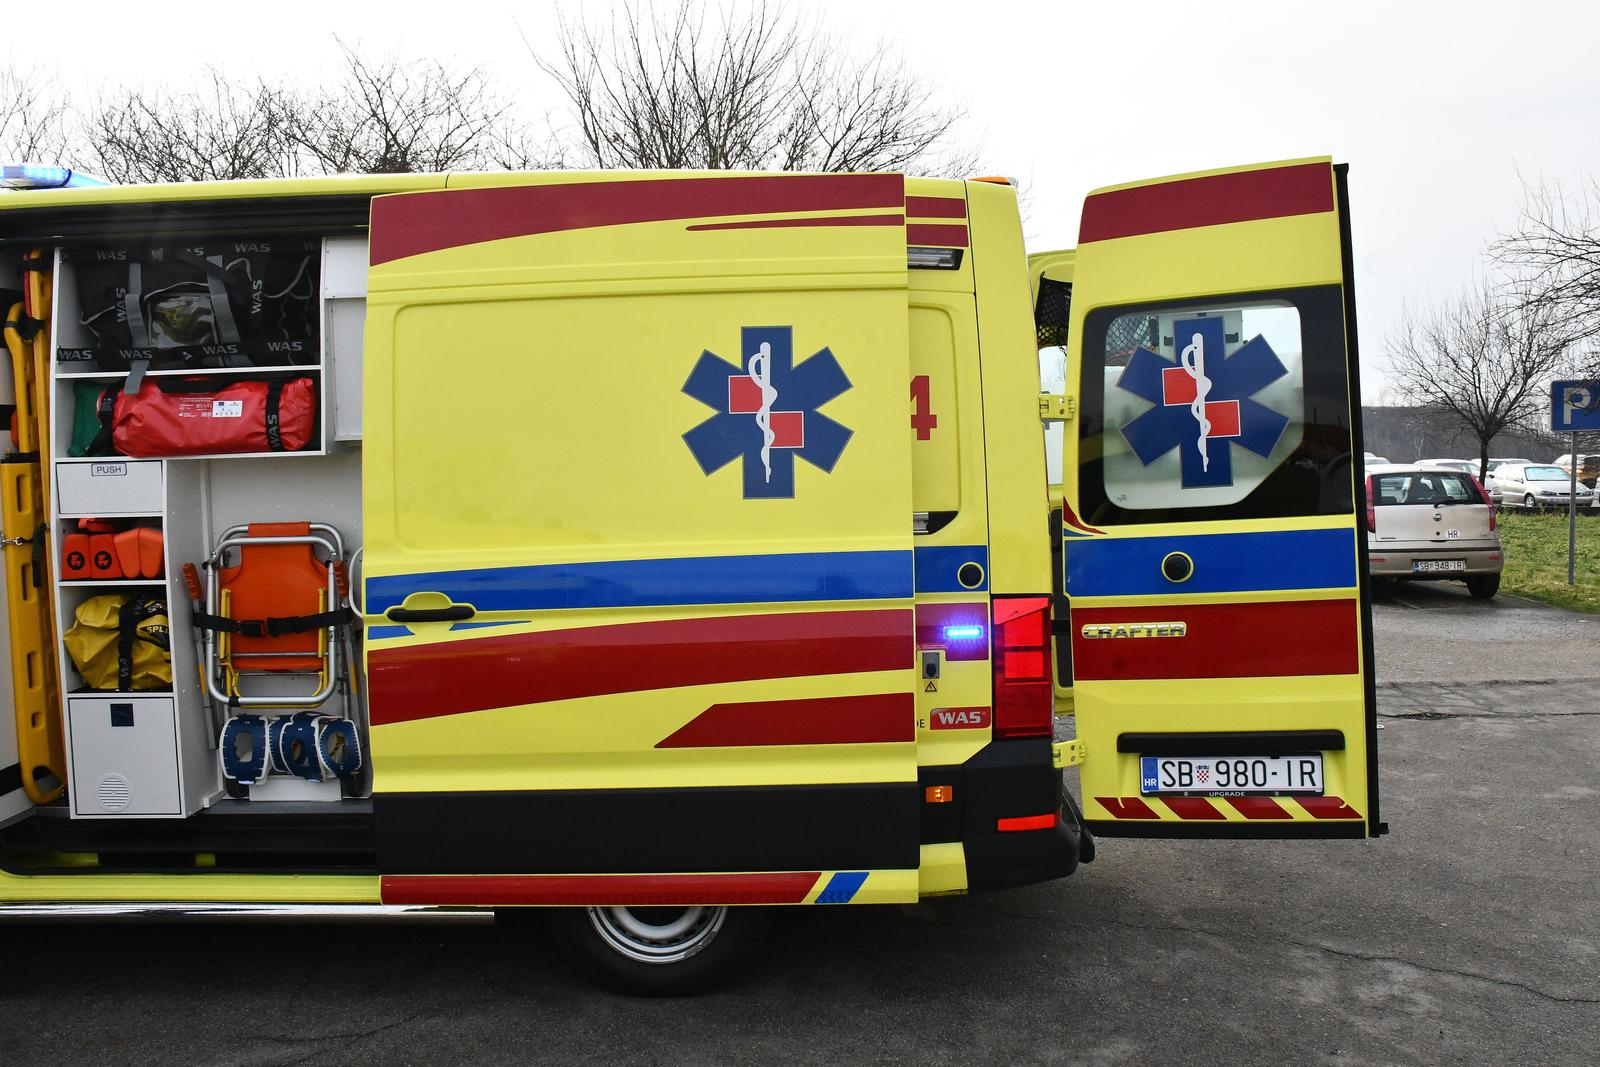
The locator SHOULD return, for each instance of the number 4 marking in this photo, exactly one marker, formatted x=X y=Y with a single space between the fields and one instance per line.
x=923 y=420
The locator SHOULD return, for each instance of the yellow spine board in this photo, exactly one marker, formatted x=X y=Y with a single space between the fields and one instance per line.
x=41 y=749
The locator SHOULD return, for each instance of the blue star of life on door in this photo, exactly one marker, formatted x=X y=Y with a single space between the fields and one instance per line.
x=766 y=411
x=1202 y=402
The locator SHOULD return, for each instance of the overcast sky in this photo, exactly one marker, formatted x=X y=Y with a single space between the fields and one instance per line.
x=1437 y=107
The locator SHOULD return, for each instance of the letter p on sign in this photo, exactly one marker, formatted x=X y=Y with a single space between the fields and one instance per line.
x=1574 y=406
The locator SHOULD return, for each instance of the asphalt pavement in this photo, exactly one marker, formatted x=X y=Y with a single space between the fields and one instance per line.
x=1470 y=934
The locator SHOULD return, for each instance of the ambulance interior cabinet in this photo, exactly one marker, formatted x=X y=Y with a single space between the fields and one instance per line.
x=125 y=756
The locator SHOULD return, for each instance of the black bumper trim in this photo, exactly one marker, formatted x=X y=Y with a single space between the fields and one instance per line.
x=1212 y=829
x=1232 y=743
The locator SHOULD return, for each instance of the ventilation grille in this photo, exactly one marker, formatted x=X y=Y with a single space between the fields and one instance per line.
x=114 y=793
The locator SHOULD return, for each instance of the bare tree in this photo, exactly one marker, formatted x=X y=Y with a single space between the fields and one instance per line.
x=1484 y=358
x=33 y=117
x=218 y=131
x=390 y=115
x=1553 y=255
x=757 y=89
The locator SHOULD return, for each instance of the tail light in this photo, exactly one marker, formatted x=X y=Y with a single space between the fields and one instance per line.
x=1489 y=503
x=1372 y=509
x=1024 y=703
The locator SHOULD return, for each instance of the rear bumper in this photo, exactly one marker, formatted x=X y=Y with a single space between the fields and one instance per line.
x=1394 y=560
x=1008 y=780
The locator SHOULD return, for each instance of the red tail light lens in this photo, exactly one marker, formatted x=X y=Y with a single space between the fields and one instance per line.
x=1372 y=509
x=1487 y=501
x=1024 y=703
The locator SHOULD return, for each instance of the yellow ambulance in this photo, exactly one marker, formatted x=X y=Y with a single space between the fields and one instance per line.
x=663 y=548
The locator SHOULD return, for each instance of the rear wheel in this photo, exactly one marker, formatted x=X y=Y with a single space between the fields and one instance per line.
x=662 y=951
x=1483 y=586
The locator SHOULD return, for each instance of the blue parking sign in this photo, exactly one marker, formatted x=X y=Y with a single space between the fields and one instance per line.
x=1575 y=406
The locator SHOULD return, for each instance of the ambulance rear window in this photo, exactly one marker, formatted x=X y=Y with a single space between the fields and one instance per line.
x=1228 y=407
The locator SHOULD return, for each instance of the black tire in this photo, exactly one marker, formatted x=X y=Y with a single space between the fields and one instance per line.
x=607 y=943
x=1530 y=503
x=1483 y=586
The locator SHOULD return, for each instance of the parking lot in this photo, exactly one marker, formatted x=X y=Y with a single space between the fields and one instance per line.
x=1470 y=934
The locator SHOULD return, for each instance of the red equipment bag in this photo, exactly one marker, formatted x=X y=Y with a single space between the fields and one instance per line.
x=188 y=417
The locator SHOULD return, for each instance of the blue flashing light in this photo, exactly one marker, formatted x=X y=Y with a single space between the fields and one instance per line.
x=39 y=176
x=965 y=632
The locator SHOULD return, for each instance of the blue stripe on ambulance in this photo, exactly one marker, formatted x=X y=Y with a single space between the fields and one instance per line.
x=842 y=887
x=761 y=579
x=937 y=566
x=1223 y=563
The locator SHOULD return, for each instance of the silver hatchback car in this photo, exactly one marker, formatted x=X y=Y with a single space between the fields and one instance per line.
x=1538 y=485
x=1432 y=523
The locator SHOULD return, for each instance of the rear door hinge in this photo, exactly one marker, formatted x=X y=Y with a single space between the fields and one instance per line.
x=1067 y=753
x=1053 y=407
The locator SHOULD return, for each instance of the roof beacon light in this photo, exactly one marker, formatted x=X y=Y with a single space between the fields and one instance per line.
x=39 y=176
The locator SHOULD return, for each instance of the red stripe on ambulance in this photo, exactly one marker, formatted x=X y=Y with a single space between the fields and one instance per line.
x=855 y=720
x=933 y=234
x=815 y=220
x=1244 y=196
x=1127 y=807
x=597 y=889
x=1269 y=640
x=1195 y=808
x=415 y=223
x=1259 y=808
x=1328 y=807
x=452 y=677
x=936 y=207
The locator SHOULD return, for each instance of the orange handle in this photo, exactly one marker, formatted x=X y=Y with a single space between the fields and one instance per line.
x=342 y=577
x=191 y=579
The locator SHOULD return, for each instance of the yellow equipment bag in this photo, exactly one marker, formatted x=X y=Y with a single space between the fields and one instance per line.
x=120 y=642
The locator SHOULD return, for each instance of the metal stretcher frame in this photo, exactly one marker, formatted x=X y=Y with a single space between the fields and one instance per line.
x=321 y=535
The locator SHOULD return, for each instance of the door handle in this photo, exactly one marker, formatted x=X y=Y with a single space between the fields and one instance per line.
x=452 y=613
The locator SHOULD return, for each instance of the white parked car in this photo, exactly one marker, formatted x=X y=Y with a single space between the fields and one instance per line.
x=1465 y=466
x=1431 y=524
x=1537 y=485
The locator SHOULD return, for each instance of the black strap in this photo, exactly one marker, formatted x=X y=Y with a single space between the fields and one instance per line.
x=38 y=555
x=128 y=617
x=106 y=408
x=274 y=424
x=276 y=626
x=26 y=326
x=36 y=265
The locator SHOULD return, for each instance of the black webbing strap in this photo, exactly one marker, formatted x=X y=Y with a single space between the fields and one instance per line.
x=38 y=555
x=274 y=419
x=26 y=326
x=36 y=265
x=271 y=627
x=127 y=626
x=105 y=407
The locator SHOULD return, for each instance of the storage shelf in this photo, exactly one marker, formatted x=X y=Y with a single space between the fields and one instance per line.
x=85 y=691
x=197 y=372
x=119 y=458
x=84 y=583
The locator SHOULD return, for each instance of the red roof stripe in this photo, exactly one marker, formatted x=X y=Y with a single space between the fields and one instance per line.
x=1243 y=196
x=410 y=224
x=452 y=677
x=854 y=720
x=1265 y=640
x=822 y=220
x=923 y=233
x=936 y=207
x=572 y=890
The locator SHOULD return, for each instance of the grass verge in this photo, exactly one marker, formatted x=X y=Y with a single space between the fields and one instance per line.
x=1536 y=559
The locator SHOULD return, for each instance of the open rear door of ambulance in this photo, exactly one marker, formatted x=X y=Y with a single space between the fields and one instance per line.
x=638 y=564
x=1213 y=547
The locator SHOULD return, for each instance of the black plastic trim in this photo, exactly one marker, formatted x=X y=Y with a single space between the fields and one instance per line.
x=1232 y=743
x=102 y=224
x=1007 y=779
x=1278 y=831
x=940 y=822
x=1341 y=182
x=10 y=778
x=851 y=826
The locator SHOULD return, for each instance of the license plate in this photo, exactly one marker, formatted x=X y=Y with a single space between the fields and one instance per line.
x=1220 y=776
x=1434 y=566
